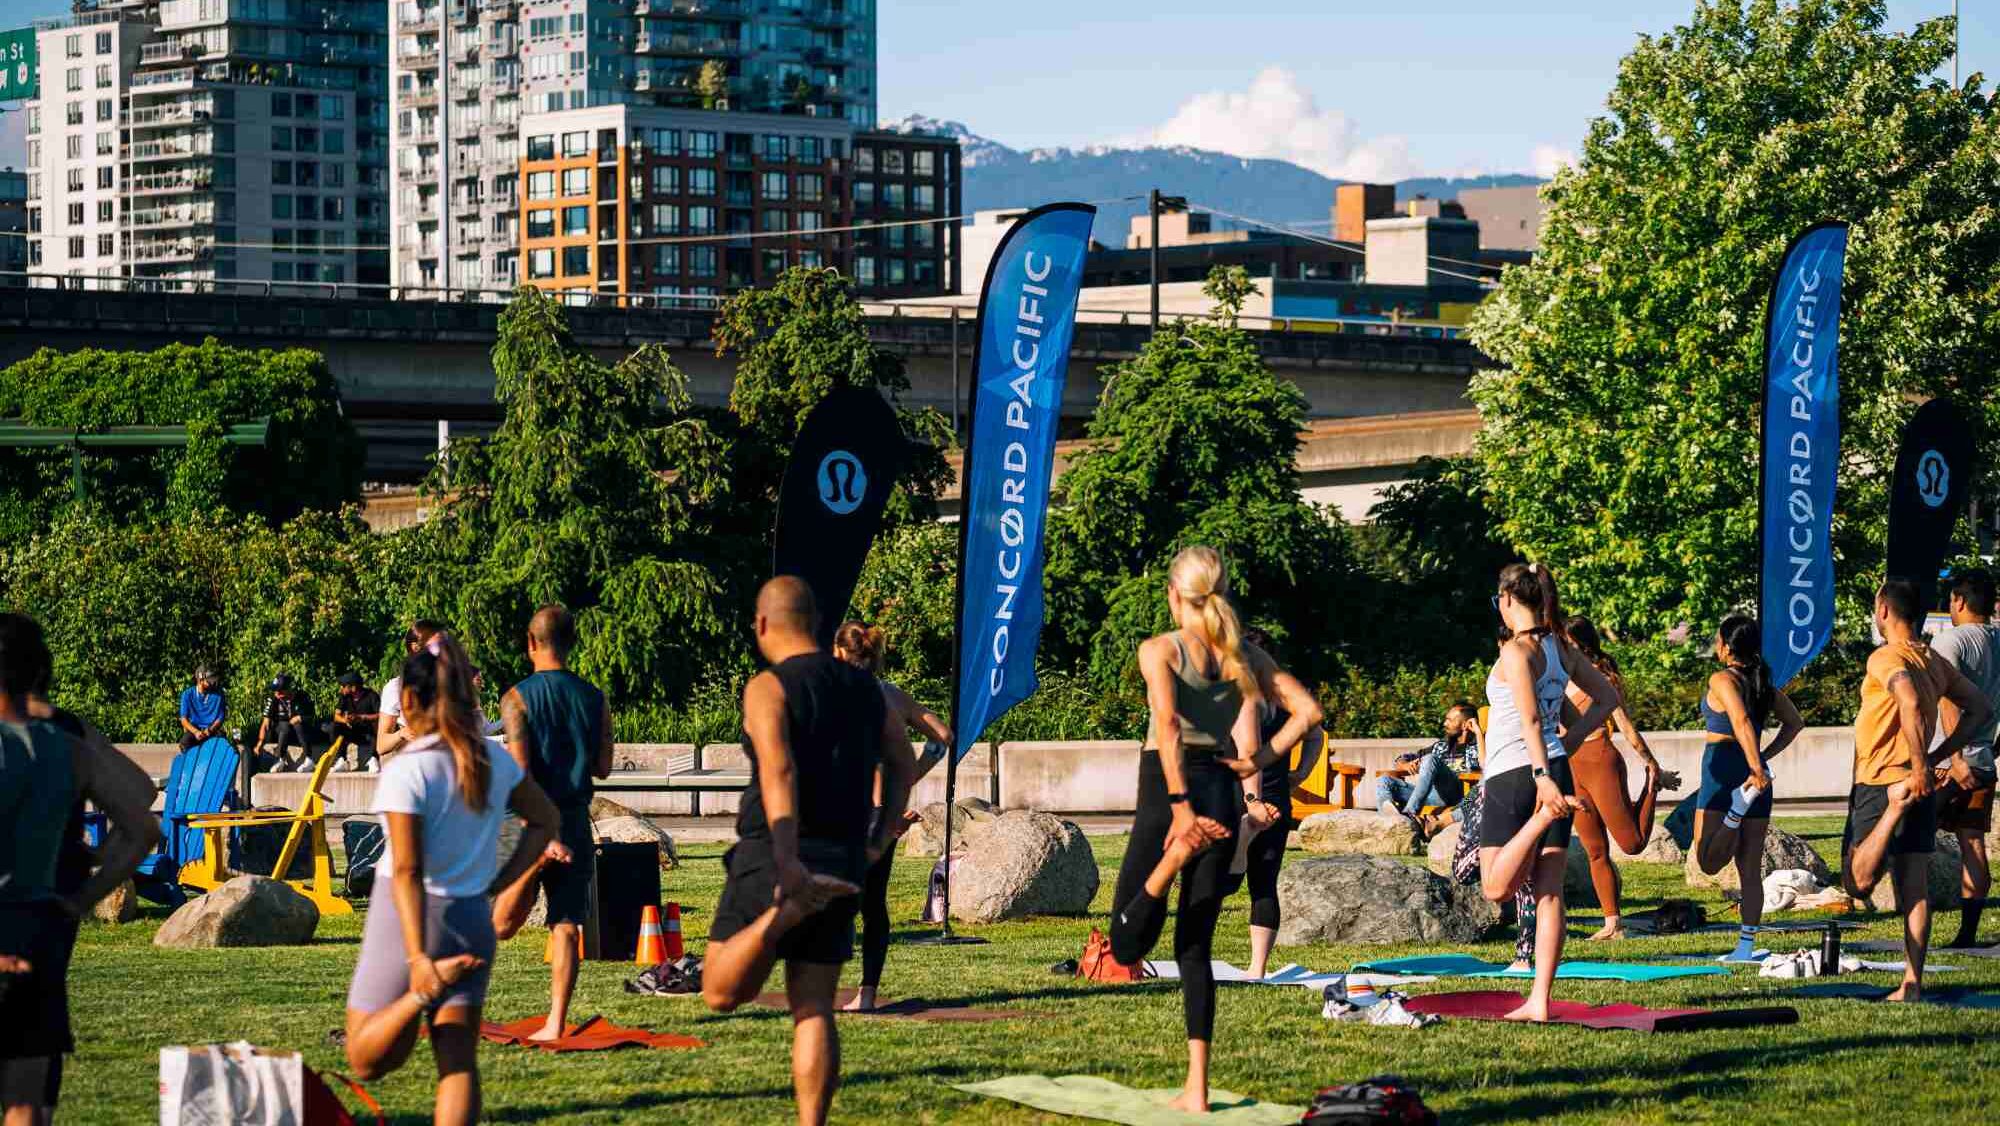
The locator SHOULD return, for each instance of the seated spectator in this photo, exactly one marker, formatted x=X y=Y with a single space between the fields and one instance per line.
x=288 y=713
x=1429 y=777
x=203 y=709
x=356 y=711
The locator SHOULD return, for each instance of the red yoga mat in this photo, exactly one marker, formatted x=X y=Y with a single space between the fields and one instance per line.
x=1495 y=1004
x=911 y=1008
x=593 y=1035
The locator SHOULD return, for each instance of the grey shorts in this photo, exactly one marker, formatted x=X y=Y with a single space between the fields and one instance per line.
x=451 y=926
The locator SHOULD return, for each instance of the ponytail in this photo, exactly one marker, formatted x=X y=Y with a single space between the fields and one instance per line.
x=861 y=645
x=1582 y=633
x=1198 y=577
x=440 y=677
x=1744 y=638
x=1534 y=586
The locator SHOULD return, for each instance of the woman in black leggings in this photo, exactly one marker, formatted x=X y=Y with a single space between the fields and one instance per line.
x=1202 y=695
x=861 y=645
x=1288 y=715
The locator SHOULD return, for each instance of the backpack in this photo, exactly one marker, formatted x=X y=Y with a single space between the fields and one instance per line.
x=1097 y=964
x=1384 y=1098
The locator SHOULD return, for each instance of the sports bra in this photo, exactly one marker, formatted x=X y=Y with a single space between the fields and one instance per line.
x=1718 y=723
x=1506 y=741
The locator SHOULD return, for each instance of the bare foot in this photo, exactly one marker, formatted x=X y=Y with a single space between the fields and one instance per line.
x=863 y=1002
x=1611 y=931
x=549 y=1031
x=1520 y=966
x=1907 y=993
x=1190 y=1102
x=1206 y=831
x=1531 y=1011
x=12 y=965
x=818 y=891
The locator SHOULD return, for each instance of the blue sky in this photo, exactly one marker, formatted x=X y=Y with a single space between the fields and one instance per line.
x=1348 y=87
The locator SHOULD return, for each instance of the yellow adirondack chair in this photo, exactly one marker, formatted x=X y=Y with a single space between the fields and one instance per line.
x=308 y=828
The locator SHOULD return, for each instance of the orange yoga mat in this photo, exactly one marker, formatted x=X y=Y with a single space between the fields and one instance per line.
x=593 y=1035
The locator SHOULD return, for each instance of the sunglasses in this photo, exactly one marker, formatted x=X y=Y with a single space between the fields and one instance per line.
x=1496 y=604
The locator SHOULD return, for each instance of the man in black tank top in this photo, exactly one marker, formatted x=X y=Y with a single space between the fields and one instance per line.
x=817 y=729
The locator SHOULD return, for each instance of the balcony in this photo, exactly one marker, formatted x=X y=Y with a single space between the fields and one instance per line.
x=656 y=43
x=416 y=19
x=426 y=59
x=499 y=9
x=170 y=183
x=168 y=52
x=421 y=97
x=163 y=81
x=698 y=7
x=173 y=114
x=170 y=250
x=178 y=215
x=179 y=149
x=504 y=83
x=826 y=15
x=643 y=80
x=826 y=54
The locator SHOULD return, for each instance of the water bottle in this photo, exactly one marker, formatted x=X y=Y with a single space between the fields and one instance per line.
x=1829 y=950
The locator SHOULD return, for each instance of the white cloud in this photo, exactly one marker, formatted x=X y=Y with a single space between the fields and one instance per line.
x=1278 y=118
x=1546 y=159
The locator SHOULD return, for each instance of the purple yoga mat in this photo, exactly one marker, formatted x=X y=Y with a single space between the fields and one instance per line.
x=1495 y=1004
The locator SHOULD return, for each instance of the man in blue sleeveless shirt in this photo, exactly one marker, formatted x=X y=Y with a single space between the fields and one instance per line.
x=558 y=727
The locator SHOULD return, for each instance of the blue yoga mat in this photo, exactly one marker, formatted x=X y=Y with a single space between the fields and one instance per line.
x=1465 y=965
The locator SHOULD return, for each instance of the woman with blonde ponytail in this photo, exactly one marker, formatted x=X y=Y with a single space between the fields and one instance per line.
x=1201 y=752
x=429 y=940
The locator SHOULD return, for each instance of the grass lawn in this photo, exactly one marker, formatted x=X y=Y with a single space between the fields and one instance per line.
x=1843 y=1062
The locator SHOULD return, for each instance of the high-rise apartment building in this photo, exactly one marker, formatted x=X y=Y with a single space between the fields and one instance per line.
x=465 y=72
x=212 y=139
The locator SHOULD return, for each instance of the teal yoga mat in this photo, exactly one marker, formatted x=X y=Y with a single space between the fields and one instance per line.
x=1087 y=1096
x=1465 y=965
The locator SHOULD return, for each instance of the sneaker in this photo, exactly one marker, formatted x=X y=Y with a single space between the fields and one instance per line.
x=374 y=766
x=1390 y=1013
x=340 y=767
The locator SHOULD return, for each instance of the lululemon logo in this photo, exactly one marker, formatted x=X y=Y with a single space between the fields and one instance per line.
x=1933 y=478
x=842 y=482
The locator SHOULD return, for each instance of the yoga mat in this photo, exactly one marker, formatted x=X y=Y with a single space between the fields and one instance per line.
x=1893 y=946
x=593 y=1035
x=912 y=1008
x=1955 y=996
x=1496 y=1004
x=1640 y=926
x=1875 y=967
x=1290 y=974
x=1465 y=965
x=1087 y=1096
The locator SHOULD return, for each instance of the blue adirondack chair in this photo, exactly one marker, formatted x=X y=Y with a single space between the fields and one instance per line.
x=201 y=780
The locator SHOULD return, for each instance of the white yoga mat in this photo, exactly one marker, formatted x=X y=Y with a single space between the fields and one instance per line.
x=1291 y=974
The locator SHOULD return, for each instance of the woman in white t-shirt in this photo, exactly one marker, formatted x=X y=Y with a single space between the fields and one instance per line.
x=428 y=941
x=390 y=731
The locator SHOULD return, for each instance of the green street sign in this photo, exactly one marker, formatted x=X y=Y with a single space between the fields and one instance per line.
x=18 y=68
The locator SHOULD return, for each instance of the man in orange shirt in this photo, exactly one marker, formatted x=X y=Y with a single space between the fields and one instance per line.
x=1892 y=814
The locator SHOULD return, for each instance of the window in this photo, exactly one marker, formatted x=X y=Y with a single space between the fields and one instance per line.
x=923 y=236
x=333 y=208
x=541 y=185
x=923 y=271
x=701 y=261
x=864 y=193
x=281 y=105
x=76 y=214
x=893 y=196
x=701 y=220
x=701 y=181
x=576 y=23
x=542 y=223
x=103 y=42
x=777 y=147
x=576 y=261
x=73 y=113
x=105 y=179
x=576 y=220
x=104 y=210
x=923 y=197
x=542 y=147
x=812 y=187
x=306 y=139
x=104 y=246
x=774 y=219
x=864 y=270
x=665 y=142
x=76 y=246
x=73 y=79
x=73 y=145
x=893 y=271
x=305 y=105
x=810 y=220
x=701 y=144
x=667 y=259
x=334 y=141
x=306 y=207
x=281 y=207
x=305 y=173
x=281 y=172
x=576 y=62
x=892 y=161
x=776 y=185
x=894 y=237
x=576 y=181
x=106 y=110
x=72 y=46
x=576 y=144
x=544 y=27
x=666 y=218
x=332 y=108
x=809 y=151
x=666 y=180
x=811 y=259
x=542 y=262
x=104 y=143
x=281 y=138
x=923 y=162
x=864 y=161
x=75 y=178
x=104 y=76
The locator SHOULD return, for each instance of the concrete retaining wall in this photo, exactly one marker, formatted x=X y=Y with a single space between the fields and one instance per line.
x=1073 y=777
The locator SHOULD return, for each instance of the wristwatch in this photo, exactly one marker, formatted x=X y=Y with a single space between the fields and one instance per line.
x=1541 y=772
x=1176 y=799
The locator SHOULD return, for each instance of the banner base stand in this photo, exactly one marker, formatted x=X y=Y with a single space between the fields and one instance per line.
x=946 y=939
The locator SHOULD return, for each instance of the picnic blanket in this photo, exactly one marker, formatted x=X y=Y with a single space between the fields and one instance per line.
x=912 y=1008
x=1465 y=965
x=593 y=1035
x=1496 y=1004
x=1291 y=974
x=1953 y=996
x=1087 y=1096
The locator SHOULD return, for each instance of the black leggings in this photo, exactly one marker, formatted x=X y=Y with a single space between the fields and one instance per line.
x=1138 y=919
x=875 y=919
x=1267 y=856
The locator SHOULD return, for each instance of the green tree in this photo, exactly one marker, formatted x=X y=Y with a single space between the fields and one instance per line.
x=1194 y=441
x=909 y=588
x=711 y=84
x=592 y=493
x=313 y=460
x=1433 y=545
x=1621 y=436
x=1229 y=287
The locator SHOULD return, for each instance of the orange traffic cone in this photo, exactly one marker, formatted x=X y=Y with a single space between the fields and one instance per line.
x=675 y=949
x=651 y=951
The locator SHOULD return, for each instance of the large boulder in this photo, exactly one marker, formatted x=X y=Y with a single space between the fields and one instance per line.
x=1782 y=849
x=926 y=837
x=613 y=822
x=1024 y=863
x=1945 y=889
x=1443 y=847
x=1372 y=899
x=246 y=911
x=1660 y=848
x=1362 y=832
x=121 y=906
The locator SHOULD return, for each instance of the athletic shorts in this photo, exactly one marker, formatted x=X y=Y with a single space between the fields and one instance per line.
x=1917 y=833
x=1509 y=803
x=451 y=927
x=825 y=939
x=34 y=1006
x=568 y=886
x=1965 y=811
x=1723 y=772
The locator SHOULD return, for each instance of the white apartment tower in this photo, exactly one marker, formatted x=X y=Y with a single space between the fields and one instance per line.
x=463 y=72
x=196 y=140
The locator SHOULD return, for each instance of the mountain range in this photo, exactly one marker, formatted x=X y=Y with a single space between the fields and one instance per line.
x=1117 y=179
